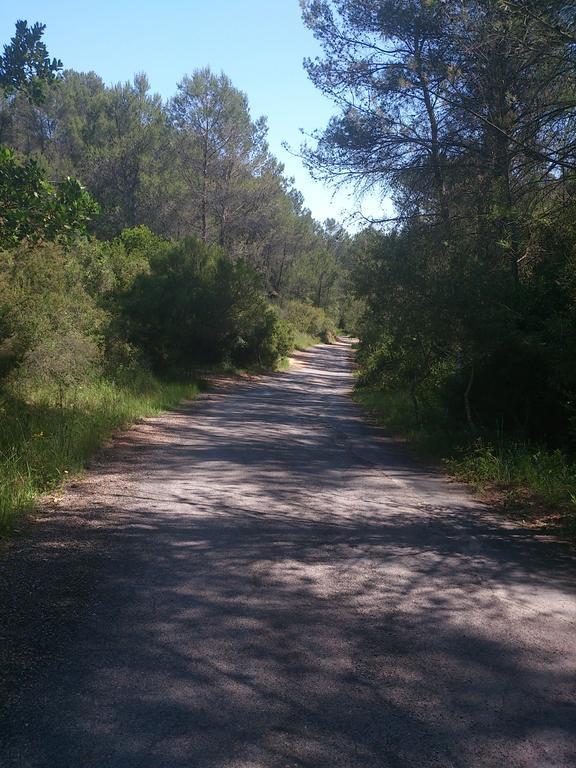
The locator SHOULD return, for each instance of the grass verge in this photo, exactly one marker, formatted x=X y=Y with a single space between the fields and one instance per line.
x=534 y=484
x=304 y=341
x=42 y=444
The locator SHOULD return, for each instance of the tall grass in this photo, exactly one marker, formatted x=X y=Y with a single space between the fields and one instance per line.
x=508 y=464
x=304 y=341
x=41 y=443
x=528 y=475
x=426 y=430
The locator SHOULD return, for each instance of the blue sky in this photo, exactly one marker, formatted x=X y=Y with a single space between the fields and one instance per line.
x=259 y=44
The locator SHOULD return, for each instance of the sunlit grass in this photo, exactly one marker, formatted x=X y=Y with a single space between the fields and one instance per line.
x=543 y=481
x=304 y=341
x=41 y=444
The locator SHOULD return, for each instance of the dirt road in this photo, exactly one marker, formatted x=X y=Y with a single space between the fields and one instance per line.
x=262 y=580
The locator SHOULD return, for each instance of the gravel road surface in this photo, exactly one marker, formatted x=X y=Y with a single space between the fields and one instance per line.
x=261 y=579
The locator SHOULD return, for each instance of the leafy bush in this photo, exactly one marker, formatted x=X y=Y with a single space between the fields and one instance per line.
x=43 y=296
x=271 y=340
x=36 y=210
x=198 y=306
x=58 y=363
x=309 y=320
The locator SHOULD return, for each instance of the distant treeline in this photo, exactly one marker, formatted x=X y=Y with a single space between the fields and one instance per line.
x=197 y=165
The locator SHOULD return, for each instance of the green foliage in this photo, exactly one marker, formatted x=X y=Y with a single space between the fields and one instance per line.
x=509 y=463
x=198 y=165
x=303 y=340
x=42 y=444
x=33 y=209
x=124 y=161
x=538 y=483
x=43 y=294
x=217 y=139
x=450 y=322
x=309 y=320
x=269 y=340
x=464 y=114
x=428 y=427
x=198 y=305
x=314 y=277
x=25 y=66
x=58 y=363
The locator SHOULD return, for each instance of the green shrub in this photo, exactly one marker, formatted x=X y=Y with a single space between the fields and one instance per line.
x=43 y=296
x=198 y=306
x=58 y=364
x=310 y=320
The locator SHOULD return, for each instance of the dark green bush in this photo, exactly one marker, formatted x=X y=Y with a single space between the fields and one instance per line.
x=198 y=306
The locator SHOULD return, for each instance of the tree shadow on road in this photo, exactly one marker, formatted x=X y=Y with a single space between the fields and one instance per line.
x=231 y=598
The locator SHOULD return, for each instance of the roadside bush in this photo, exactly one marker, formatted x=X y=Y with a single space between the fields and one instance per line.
x=198 y=306
x=309 y=320
x=43 y=296
x=58 y=365
x=270 y=340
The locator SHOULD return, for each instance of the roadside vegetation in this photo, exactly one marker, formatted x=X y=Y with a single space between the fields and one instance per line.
x=44 y=442
x=310 y=325
x=143 y=241
x=534 y=483
x=464 y=114
x=142 y=244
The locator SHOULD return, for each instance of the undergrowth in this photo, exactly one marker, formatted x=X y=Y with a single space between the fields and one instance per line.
x=534 y=482
x=304 y=341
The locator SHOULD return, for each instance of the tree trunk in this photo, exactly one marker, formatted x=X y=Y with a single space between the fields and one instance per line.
x=439 y=182
x=415 y=403
x=467 y=408
x=204 y=203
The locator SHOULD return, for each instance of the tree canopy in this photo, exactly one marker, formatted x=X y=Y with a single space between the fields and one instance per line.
x=464 y=113
x=25 y=66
